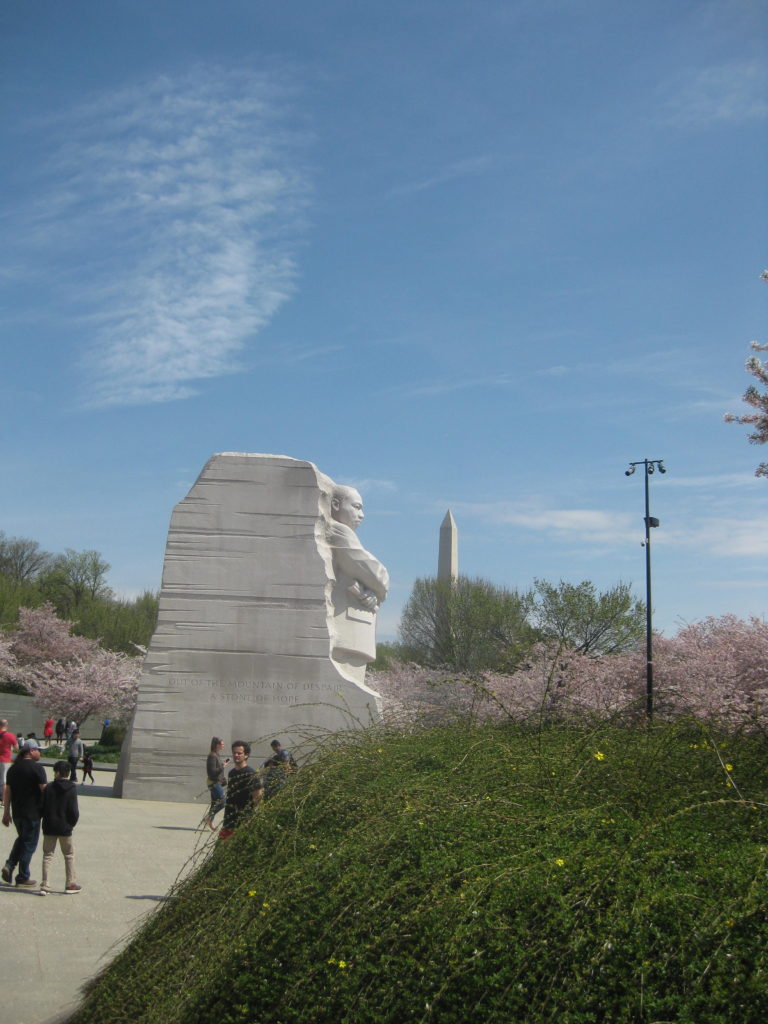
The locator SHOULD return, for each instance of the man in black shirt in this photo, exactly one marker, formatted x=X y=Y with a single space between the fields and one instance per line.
x=244 y=790
x=23 y=803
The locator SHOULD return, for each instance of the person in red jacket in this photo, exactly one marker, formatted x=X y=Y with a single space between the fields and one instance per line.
x=8 y=745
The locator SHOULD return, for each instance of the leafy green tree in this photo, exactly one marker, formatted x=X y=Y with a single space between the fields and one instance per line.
x=467 y=625
x=22 y=559
x=75 y=585
x=594 y=623
x=16 y=594
x=76 y=577
x=120 y=625
x=387 y=655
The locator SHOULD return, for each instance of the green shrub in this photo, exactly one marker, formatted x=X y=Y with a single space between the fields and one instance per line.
x=107 y=755
x=113 y=735
x=461 y=874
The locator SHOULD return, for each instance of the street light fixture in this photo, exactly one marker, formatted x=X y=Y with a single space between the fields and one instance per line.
x=649 y=466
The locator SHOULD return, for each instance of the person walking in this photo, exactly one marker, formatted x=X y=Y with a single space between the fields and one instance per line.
x=216 y=780
x=61 y=731
x=22 y=804
x=60 y=815
x=8 y=744
x=87 y=767
x=75 y=750
x=48 y=731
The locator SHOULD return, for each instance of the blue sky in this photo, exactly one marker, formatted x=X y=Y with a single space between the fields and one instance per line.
x=469 y=255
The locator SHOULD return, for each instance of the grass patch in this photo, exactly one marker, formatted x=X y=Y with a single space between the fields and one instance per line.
x=464 y=873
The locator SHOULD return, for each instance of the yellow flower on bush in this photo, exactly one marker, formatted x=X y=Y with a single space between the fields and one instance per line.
x=342 y=965
x=312 y=846
x=729 y=767
x=251 y=892
x=599 y=756
x=560 y=862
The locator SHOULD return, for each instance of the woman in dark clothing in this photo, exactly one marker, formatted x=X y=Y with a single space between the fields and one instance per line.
x=214 y=768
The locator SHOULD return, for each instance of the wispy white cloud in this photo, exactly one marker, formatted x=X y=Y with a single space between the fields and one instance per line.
x=447 y=386
x=554 y=371
x=724 y=537
x=719 y=536
x=467 y=168
x=291 y=354
x=715 y=481
x=728 y=93
x=594 y=526
x=741 y=584
x=180 y=199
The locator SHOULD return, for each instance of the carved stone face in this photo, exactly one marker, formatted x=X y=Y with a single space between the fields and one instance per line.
x=347 y=508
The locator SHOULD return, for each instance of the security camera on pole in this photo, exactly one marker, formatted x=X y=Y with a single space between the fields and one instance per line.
x=649 y=466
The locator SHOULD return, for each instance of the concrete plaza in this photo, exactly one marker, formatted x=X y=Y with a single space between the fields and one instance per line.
x=128 y=853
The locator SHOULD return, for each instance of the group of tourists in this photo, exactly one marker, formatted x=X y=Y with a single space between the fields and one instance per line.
x=30 y=803
x=241 y=790
x=67 y=735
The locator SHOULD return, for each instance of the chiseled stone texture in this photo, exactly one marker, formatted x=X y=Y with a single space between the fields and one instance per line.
x=243 y=643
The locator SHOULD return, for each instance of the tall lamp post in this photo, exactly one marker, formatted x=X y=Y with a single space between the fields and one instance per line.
x=649 y=466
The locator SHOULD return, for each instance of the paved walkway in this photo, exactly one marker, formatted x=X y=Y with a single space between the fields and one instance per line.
x=127 y=853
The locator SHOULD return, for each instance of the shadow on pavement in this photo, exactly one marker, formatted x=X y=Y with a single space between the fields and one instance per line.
x=89 y=790
x=180 y=828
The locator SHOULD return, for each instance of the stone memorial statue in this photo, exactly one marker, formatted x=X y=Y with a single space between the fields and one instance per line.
x=361 y=584
x=266 y=622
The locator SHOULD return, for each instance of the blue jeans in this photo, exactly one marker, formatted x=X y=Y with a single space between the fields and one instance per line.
x=26 y=843
x=218 y=799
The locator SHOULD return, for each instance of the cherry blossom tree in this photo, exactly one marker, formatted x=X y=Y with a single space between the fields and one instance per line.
x=759 y=402
x=66 y=674
x=42 y=636
x=715 y=670
x=554 y=683
x=104 y=682
x=8 y=665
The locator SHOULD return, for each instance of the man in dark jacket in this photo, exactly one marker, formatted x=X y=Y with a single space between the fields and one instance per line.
x=244 y=790
x=60 y=815
x=22 y=804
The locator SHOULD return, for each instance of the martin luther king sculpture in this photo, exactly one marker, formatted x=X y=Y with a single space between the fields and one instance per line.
x=266 y=623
